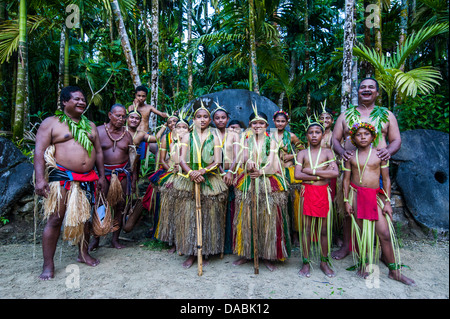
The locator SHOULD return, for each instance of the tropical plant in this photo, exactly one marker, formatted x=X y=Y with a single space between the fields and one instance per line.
x=392 y=78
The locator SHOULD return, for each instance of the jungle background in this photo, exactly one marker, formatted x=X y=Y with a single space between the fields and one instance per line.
x=298 y=53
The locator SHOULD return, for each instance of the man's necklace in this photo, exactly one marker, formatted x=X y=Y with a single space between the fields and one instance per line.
x=112 y=139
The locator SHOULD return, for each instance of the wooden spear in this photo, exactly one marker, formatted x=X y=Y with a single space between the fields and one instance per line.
x=255 y=229
x=198 y=215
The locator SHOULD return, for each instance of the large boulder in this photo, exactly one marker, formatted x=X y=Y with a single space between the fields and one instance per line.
x=16 y=173
x=422 y=176
x=238 y=103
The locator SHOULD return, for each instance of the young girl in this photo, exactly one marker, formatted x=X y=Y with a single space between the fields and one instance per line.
x=269 y=190
x=199 y=160
x=165 y=228
x=289 y=145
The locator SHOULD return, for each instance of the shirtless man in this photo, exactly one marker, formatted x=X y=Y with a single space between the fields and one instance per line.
x=145 y=109
x=368 y=92
x=72 y=156
x=133 y=122
x=114 y=140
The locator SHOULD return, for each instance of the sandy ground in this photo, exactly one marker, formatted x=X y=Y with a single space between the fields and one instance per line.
x=137 y=272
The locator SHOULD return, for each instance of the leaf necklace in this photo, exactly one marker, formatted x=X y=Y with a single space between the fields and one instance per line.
x=79 y=130
x=113 y=139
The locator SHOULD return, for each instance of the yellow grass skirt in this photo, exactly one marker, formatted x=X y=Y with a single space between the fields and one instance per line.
x=214 y=204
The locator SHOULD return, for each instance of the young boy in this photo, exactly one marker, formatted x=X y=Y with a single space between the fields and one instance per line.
x=315 y=166
x=365 y=203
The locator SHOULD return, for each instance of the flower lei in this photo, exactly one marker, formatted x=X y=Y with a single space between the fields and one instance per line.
x=79 y=130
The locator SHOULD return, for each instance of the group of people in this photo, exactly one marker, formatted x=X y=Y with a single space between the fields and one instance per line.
x=258 y=193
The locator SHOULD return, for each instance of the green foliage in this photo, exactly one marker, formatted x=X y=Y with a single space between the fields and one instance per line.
x=3 y=220
x=424 y=112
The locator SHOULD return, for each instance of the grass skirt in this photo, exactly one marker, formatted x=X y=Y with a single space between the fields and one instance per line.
x=165 y=229
x=315 y=227
x=214 y=205
x=365 y=240
x=273 y=220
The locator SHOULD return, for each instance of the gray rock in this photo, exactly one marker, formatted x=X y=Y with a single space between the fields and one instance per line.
x=16 y=173
x=422 y=176
x=238 y=103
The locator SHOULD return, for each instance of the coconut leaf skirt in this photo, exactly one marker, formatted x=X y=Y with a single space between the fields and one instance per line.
x=272 y=218
x=214 y=194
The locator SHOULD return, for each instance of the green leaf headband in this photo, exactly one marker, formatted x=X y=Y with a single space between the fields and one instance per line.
x=257 y=117
x=312 y=123
x=202 y=108
x=219 y=108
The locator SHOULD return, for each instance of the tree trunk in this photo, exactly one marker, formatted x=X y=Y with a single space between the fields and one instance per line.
x=254 y=85
x=125 y=44
x=349 y=37
x=367 y=69
x=402 y=38
x=155 y=64
x=21 y=93
x=66 y=59
x=190 y=66
x=62 y=46
x=307 y=57
x=378 y=45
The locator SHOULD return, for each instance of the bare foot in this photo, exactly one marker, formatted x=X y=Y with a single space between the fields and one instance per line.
x=116 y=244
x=93 y=245
x=172 y=249
x=47 y=272
x=270 y=265
x=396 y=275
x=240 y=261
x=88 y=260
x=327 y=270
x=362 y=273
x=189 y=261
x=305 y=271
x=341 y=253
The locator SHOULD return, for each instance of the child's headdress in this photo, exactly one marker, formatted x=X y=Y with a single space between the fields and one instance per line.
x=324 y=109
x=281 y=112
x=313 y=122
x=219 y=108
x=257 y=117
x=202 y=107
x=365 y=125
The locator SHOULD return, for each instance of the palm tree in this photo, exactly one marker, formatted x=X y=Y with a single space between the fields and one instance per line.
x=22 y=66
x=134 y=72
x=392 y=78
x=349 y=37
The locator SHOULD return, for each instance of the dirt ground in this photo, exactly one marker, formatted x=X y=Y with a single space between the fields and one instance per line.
x=140 y=272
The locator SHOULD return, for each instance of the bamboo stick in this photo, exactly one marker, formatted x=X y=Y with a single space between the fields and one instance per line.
x=255 y=230
x=198 y=215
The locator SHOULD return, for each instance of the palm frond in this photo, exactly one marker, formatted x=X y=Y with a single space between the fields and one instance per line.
x=421 y=80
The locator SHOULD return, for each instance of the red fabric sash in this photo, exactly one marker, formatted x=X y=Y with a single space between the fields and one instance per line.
x=366 y=202
x=77 y=177
x=315 y=200
x=121 y=175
